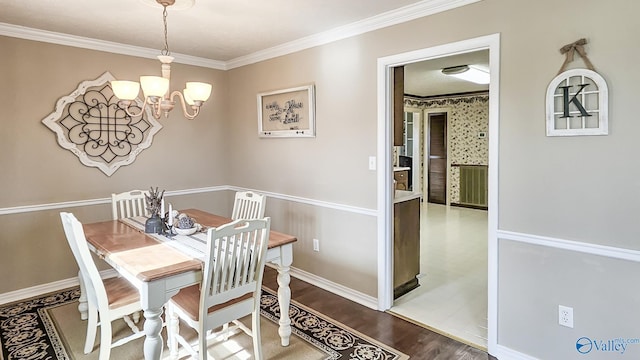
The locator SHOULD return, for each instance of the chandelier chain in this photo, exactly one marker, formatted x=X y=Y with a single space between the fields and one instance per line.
x=165 y=51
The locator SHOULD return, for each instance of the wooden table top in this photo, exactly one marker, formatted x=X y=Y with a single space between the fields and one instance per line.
x=148 y=258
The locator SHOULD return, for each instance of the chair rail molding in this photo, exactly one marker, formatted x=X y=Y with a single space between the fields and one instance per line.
x=100 y=201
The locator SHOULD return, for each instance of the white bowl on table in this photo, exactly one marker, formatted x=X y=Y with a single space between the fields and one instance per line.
x=188 y=231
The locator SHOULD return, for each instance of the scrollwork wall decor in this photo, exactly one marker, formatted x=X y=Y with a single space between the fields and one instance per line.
x=90 y=123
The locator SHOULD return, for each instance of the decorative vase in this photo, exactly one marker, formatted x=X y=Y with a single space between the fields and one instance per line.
x=153 y=225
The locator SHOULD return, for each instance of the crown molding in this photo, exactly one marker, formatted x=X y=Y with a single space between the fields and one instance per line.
x=394 y=17
x=101 y=45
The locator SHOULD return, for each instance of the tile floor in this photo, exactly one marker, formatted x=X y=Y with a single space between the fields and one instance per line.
x=452 y=296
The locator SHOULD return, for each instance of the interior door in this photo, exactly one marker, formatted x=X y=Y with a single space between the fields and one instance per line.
x=437 y=159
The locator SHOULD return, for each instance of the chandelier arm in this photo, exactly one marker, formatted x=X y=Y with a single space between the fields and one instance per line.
x=156 y=109
x=125 y=105
x=196 y=108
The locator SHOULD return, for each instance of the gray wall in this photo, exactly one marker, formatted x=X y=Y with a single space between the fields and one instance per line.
x=577 y=189
x=582 y=189
x=37 y=171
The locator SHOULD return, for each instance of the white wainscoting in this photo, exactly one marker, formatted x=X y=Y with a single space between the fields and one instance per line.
x=322 y=283
x=503 y=353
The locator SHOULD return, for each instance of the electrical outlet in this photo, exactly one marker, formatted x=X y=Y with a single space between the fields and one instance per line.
x=565 y=316
x=372 y=162
x=316 y=245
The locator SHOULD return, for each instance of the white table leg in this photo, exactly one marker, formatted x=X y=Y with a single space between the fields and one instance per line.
x=173 y=328
x=82 y=301
x=284 y=299
x=153 y=339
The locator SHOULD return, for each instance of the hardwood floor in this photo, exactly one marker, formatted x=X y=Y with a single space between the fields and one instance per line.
x=413 y=340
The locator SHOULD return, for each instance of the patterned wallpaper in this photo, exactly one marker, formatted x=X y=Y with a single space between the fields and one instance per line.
x=467 y=116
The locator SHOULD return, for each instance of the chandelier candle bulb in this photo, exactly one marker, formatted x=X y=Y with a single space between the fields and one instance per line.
x=199 y=91
x=125 y=90
x=154 y=85
x=188 y=98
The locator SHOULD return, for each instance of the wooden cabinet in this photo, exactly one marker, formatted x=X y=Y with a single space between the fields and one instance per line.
x=402 y=179
x=406 y=246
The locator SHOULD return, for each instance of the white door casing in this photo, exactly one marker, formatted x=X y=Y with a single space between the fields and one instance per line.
x=385 y=167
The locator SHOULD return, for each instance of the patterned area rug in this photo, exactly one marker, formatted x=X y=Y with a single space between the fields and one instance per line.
x=27 y=331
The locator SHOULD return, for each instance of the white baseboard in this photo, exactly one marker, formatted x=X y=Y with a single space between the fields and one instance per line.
x=340 y=290
x=505 y=353
x=39 y=290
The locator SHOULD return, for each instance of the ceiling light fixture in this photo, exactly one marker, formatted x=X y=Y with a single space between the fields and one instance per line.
x=156 y=88
x=468 y=73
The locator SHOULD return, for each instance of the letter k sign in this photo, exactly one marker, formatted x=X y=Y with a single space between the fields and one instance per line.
x=566 y=101
x=577 y=104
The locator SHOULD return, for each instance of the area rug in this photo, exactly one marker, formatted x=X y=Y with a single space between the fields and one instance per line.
x=49 y=328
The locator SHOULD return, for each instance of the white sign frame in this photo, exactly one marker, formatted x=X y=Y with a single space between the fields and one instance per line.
x=276 y=108
x=602 y=111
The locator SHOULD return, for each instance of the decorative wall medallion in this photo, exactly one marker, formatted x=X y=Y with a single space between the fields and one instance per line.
x=577 y=104
x=89 y=123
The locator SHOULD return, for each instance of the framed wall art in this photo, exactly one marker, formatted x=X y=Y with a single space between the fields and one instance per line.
x=287 y=113
x=90 y=123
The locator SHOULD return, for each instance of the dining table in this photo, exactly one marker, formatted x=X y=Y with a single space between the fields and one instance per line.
x=159 y=265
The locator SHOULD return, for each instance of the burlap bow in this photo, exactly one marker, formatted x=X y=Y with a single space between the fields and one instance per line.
x=570 y=49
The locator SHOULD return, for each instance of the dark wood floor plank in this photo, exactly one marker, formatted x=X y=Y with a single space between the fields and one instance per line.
x=417 y=342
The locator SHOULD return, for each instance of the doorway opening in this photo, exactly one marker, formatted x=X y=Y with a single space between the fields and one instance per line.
x=385 y=227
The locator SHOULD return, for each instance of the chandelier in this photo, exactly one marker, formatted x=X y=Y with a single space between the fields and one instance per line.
x=156 y=88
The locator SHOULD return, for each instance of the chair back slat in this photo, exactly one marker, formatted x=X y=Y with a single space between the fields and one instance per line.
x=74 y=232
x=128 y=204
x=234 y=262
x=248 y=205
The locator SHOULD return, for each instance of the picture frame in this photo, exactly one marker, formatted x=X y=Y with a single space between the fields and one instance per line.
x=287 y=113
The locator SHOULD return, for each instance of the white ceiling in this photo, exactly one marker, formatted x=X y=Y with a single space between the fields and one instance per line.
x=225 y=31
x=425 y=78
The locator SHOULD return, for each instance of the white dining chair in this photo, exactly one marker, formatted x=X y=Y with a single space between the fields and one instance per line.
x=230 y=288
x=125 y=205
x=108 y=300
x=248 y=205
x=128 y=204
